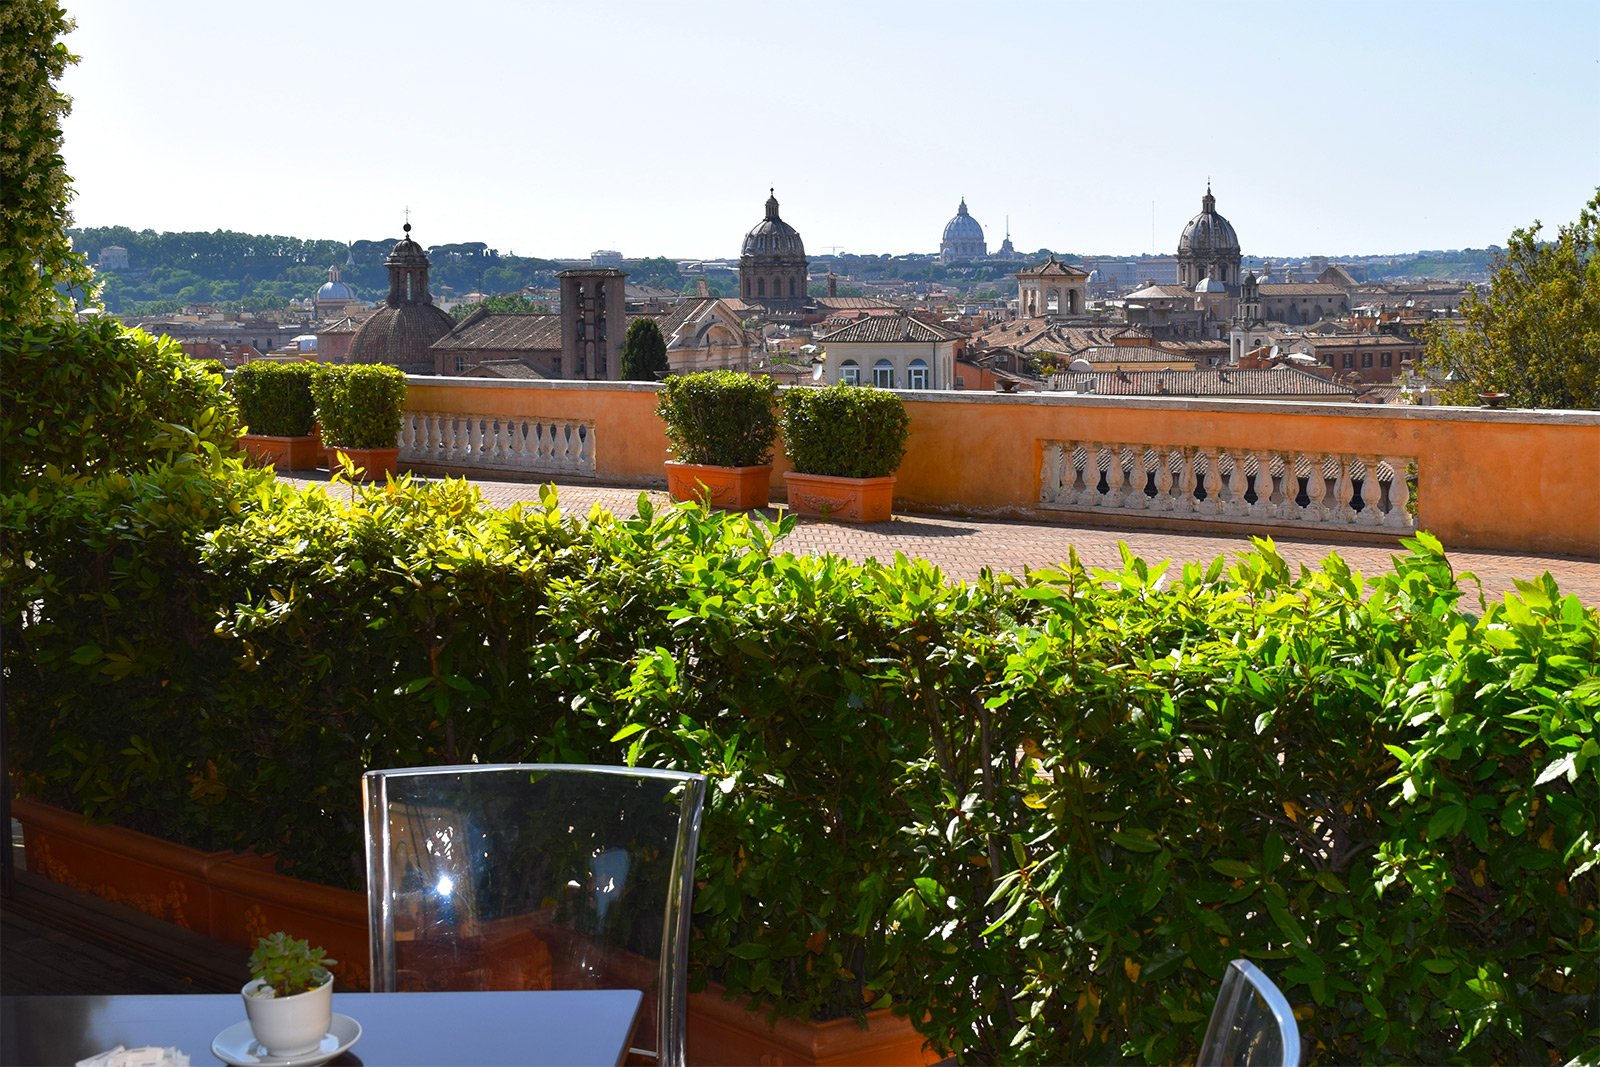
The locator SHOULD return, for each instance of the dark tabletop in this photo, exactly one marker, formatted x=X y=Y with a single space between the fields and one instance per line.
x=558 y=1028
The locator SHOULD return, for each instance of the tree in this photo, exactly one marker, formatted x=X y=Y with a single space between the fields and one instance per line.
x=1535 y=335
x=644 y=351
x=38 y=269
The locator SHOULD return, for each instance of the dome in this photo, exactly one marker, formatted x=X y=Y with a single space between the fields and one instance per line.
x=334 y=290
x=771 y=236
x=963 y=227
x=1208 y=284
x=1208 y=233
x=401 y=336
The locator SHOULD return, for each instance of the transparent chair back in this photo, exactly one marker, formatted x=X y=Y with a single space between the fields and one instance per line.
x=532 y=876
x=1252 y=1023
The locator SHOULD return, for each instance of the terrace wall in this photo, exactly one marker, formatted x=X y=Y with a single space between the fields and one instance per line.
x=1504 y=480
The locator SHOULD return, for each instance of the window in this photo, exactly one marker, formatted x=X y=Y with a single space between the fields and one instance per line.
x=1349 y=361
x=1366 y=359
x=761 y=287
x=917 y=375
x=850 y=372
x=883 y=374
x=1387 y=359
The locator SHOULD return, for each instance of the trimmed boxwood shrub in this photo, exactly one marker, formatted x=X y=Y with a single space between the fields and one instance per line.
x=275 y=398
x=88 y=397
x=845 y=431
x=720 y=418
x=360 y=405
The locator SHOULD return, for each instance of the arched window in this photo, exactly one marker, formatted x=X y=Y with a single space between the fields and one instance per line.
x=917 y=375
x=761 y=287
x=883 y=374
x=850 y=372
x=791 y=286
x=1052 y=301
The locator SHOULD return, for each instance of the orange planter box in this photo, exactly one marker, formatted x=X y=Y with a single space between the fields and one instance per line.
x=735 y=488
x=841 y=499
x=284 y=453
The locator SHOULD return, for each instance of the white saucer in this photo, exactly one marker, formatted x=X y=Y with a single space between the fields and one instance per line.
x=238 y=1046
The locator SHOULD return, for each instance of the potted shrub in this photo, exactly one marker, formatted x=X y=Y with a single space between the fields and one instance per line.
x=722 y=426
x=845 y=442
x=360 y=407
x=289 y=998
x=276 y=407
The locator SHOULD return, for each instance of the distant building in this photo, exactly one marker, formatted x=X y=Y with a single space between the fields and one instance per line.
x=1208 y=247
x=112 y=257
x=333 y=297
x=772 y=262
x=892 y=352
x=963 y=238
x=402 y=331
x=1051 y=289
x=605 y=257
x=594 y=323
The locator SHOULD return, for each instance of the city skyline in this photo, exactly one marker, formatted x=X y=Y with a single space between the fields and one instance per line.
x=1360 y=129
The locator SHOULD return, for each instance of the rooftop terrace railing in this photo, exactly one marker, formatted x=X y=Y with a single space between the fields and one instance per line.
x=1480 y=479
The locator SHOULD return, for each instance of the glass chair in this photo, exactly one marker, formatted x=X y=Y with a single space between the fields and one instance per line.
x=536 y=876
x=1252 y=1024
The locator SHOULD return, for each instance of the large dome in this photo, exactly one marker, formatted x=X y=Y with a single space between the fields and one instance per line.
x=963 y=227
x=772 y=236
x=1208 y=233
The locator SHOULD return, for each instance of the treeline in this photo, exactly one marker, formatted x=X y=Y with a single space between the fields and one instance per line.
x=263 y=271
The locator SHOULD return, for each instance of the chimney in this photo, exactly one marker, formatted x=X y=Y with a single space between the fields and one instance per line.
x=700 y=287
x=833 y=284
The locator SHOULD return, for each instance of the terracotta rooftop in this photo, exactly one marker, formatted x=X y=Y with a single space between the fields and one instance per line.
x=1300 y=289
x=1278 y=382
x=506 y=332
x=881 y=329
x=505 y=368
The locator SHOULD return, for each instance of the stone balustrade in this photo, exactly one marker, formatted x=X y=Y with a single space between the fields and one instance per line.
x=1276 y=488
x=513 y=444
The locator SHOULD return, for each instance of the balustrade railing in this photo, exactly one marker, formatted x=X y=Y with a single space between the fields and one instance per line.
x=518 y=443
x=1262 y=486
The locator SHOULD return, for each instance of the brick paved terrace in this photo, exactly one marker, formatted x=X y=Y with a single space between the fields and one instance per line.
x=962 y=547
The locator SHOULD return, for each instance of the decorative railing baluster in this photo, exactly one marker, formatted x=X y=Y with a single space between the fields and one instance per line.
x=497 y=442
x=1262 y=486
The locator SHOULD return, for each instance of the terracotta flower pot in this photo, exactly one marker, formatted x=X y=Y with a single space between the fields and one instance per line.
x=841 y=499
x=284 y=453
x=735 y=488
x=374 y=462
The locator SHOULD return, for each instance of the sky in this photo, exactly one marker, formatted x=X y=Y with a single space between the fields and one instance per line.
x=554 y=129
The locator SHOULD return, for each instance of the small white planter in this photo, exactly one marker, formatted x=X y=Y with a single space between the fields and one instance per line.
x=289 y=1026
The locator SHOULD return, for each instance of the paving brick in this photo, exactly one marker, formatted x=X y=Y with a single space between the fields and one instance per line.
x=961 y=548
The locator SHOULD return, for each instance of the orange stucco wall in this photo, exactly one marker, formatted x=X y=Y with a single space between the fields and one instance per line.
x=1509 y=480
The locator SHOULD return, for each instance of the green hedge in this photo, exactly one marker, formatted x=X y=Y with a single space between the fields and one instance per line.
x=720 y=418
x=845 y=431
x=360 y=405
x=275 y=398
x=1040 y=815
x=93 y=397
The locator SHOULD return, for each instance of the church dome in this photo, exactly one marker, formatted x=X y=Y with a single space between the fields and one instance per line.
x=963 y=227
x=1208 y=233
x=772 y=236
x=335 y=291
x=402 y=332
x=1208 y=284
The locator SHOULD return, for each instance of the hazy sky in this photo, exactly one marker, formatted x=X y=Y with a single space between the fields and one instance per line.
x=553 y=129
